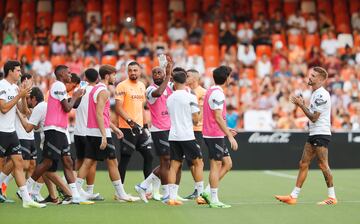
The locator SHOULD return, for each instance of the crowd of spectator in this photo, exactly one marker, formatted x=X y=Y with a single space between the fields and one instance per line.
x=274 y=78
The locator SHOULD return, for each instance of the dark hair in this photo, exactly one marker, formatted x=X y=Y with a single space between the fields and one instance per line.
x=91 y=74
x=37 y=93
x=59 y=69
x=134 y=63
x=220 y=74
x=75 y=78
x=192 y=70
x=106 y=70
x=1 y=75
x=10 y=66
x=179 y=75
x=25 y=76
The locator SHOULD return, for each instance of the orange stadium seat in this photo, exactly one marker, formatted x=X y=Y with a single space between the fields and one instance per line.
x=354 y=6
x=194 y=49
x=110 y=60
x=343 y=28
x=159 y=28
x=76 y=24
x=89 y=59
x=289 y=8
x=258 y=6
x=8 y=52
x=263 y=49
x=357 y=40
x=145 y=62
x=211 y=39
x=58 y=60
x=212 y=61
x=27 y=21
x=160 y=6
x=296 y=40
x=126 y=7
x=312 y=40
x=93 y=6
x=273 y=5
x=27 y=50
x=28 y=6
x=42 y=49
x=211 y=28
x=60 y=16
x=143 y=6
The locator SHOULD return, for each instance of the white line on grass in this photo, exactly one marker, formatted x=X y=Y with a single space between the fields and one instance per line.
x=279 y=174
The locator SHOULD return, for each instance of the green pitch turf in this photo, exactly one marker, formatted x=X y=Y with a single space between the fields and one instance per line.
x=249 y=192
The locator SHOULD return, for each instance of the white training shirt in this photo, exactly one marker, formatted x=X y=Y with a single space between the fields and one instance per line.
x=181 y=105
x=21 y=132
x=7 y=92
x=38 y=115
x=96 y=131
x=58 y=91
x=81 y=115
x=320 y=102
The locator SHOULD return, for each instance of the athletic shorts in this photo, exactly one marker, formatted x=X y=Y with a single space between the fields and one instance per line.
x=217 y=148
x=200 y=140
x=161 y=142
x=131 y=142
x=319 y=140
x=185 y=149
x=54 y=166
x=56 y=145
x=9 y=144
x=94 y=152
x=28 y=149
x=80 y=146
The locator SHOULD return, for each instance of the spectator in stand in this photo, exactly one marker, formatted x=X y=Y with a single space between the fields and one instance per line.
x=213 y=14
x=266 y=100
x=42 y=67
x=278 y=23
x=58 y=47
x=76 y=64
x=311 y=24
x=123 y=61
x=195 y=29
x=296 y=23
x=353 y=91
x=25 y=65
x=315 y=57
x=228 y=34
x=299 y=67
x=178 y=54
x=42 y=33
x=286 y=122
x=177 y=32
x=232 y=116
x=160 y=46
x=26 y=38
x=262 y=31
x=75 y=45
x=127 y=45
x=10 y=31
x=325 y=23
x=246 y=55
x=283 y=70
x=279 y=54
x=108 y=25
x=346 y=124
x=144 y=47
x=355 y=118
x=330 y=45
x=261 y=22
x=92 y=40
x=196 y=62
x=263 y=67
x=348 y=57
x=355 y=22
x=295 y=52
x=245 y=35
x=110 y=44
x=333 y=66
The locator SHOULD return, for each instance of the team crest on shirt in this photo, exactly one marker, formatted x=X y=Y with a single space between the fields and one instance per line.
x=2 y=92
x=320 y=101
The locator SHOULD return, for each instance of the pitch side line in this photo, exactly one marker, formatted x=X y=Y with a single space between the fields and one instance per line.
x=279 y=174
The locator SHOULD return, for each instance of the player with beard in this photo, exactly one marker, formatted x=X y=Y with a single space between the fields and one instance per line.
x=130 y=100
x=319 y=114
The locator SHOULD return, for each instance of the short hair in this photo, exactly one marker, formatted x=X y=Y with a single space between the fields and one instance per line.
x=106 y=70
x=10 y=66
x=59 y=69
x=91 y=74
x=179 y=75
x=195 y=72
x=25 y=76
x=37 y=93
x=220 y=74
x=321 y=71
x=75 y=78
x=134 y=63
x=1 y=75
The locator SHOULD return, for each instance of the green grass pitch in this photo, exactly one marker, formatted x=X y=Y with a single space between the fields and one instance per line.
x=249 y=192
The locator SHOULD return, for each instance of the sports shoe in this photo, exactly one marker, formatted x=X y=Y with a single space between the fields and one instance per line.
x=156 y=196
x=201 y=201
x=142 y=193
x=66 y=200
x=81 y=201
x=287 y=199
x=127 y=198
x=4 y=199
x=174 y=202
x=50 y=200
x=192 y=196
x=219 y=205
x=61 y=193
x=33 y=204
x=18 y=194
x=3 y=189
x=328 y=201
x=206 y=197
x=37 y=197
x=96 y=197
x=179 y=198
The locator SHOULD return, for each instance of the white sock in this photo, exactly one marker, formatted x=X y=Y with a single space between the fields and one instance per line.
x=64 y=179
x=214 y=195
x=149 y=180
x=331 y=192
x=295 y=193
x=90 y=189
x=199 y=186
x=207 y=189
x=173 y=191
x=165 y=190
x=74 y=190
x=25 y=194
x=119 y=188
x=177 y=190
x=3 y=176
x=156 y=184
x=37 y=188
x=29 y=184
x=79 y=183
x=8 y=179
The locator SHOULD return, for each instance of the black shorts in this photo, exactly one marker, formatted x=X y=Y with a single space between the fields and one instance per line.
x=217 y=148
x=55 y=145
x=319 y=140
x=54 y=166
x=94 y=152
x=9 y=144
x=185 y=149
x=200 y=140
x=80 y=146
x=161 y=142
x=131 y=142
x=28 y=149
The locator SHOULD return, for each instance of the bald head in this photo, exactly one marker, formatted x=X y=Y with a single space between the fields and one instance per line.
x=158 y=75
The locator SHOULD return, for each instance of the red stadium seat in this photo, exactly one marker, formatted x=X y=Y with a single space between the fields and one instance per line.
x=312 y=40
x=263 y=49
x=47 y=17
x=27 y=21
x=76 y=24
x=109 y=60
x=194 y=49
x=206 y=4
x=93 y=6
x=42 y=49
x=354 y=6
x=58 y=60
x=13 y=6
x=160 y=6
x=26 y=50
x=211 y=39
x=273 y=5
x=145 y=62
x=258 y=6
x=8 y=52
x=289 y=8
x=89 y=59
x=296 y=40
x=211 y=28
